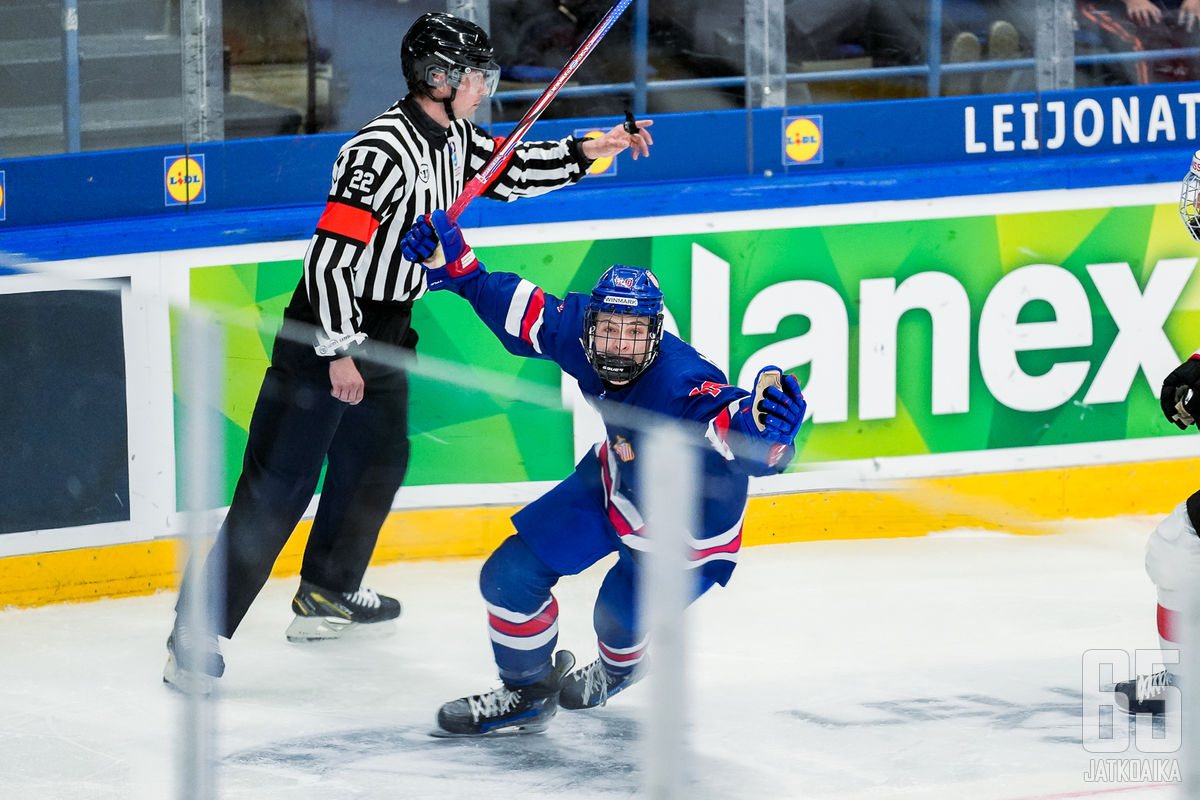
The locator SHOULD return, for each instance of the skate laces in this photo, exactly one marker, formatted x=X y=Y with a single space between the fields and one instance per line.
x=595 y=682
x=496 y=702
x=1151 y=686
x=367 y=598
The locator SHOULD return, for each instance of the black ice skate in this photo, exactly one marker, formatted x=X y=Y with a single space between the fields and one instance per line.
x=193 y=662
x=593 y=685
x=324 y=614
x=1144 y=694
x=508 y=709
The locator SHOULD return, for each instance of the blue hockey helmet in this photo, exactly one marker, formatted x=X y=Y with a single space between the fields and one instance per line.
x=620 y=350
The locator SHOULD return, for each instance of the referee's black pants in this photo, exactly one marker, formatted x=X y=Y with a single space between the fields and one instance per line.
x=296 y=425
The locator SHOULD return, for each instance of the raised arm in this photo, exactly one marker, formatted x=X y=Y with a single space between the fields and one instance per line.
x=538 y=167
x=526 y=320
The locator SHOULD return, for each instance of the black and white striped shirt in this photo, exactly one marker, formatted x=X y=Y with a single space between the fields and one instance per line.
x=398 y=168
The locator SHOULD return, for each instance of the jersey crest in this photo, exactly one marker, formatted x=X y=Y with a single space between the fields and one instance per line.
x=623 y=449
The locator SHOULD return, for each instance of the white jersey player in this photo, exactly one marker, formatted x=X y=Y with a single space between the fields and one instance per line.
x=1173 y=552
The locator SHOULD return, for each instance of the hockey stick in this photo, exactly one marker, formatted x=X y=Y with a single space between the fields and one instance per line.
x=484 y=178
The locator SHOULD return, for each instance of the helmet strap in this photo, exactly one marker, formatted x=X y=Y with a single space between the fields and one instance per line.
x=447 y=104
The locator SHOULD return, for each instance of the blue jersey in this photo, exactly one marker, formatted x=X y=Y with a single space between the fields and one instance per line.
x=680 y=384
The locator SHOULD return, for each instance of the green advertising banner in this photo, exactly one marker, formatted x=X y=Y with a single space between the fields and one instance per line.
x=925 y=336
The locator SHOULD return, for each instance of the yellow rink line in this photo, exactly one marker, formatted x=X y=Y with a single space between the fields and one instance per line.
x=1027 y=502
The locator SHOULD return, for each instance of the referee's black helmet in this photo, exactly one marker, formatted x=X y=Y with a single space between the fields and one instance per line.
x=441 y=43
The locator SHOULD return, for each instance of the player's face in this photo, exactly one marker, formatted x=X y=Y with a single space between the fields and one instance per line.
x=625 y=336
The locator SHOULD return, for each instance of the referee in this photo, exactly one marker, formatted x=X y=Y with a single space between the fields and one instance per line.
x=324 y=396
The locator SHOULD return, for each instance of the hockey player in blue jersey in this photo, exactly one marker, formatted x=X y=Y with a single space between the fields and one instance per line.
x=613 y=343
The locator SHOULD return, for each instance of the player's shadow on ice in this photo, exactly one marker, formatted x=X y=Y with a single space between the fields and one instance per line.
x=578 y=750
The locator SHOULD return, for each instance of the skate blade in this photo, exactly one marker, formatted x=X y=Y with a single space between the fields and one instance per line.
x=322 y=629
x=594 y=702
x=1158 y=711
x=192 y=683
x=514 y=730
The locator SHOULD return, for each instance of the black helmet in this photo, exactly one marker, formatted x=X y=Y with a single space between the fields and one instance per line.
x=441 y=43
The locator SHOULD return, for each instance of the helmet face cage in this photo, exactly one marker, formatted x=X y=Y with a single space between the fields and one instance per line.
x=618 y=349
x=443 y=50
x=1189 y=199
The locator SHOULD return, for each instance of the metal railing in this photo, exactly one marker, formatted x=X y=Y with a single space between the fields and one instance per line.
x=1056 y=27
x=763 y=68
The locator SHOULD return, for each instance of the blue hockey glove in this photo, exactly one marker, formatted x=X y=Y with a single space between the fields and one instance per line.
x=437 y=243
x=769 y=419
x=420 y=241
x=779 y=412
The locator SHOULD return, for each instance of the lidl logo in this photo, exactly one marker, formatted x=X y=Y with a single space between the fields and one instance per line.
x=601 y=166
x=3 y=198
x=803 y=140
x=184 y=180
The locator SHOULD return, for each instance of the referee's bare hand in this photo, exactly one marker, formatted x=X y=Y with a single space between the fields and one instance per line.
x=618 y=140
x=346 y=381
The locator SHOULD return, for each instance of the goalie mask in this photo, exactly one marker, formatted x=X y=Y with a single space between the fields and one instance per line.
x=443 y=50
x=1189 y=199
x=622 y=326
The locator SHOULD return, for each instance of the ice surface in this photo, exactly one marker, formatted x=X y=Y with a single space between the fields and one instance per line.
x=939 y=667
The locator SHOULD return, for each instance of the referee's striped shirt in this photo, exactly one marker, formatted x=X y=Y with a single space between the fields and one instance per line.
x=399 y=167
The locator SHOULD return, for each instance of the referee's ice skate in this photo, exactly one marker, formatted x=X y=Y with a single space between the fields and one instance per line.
x=326 y=614
x=194 y=661
x=506 y=709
